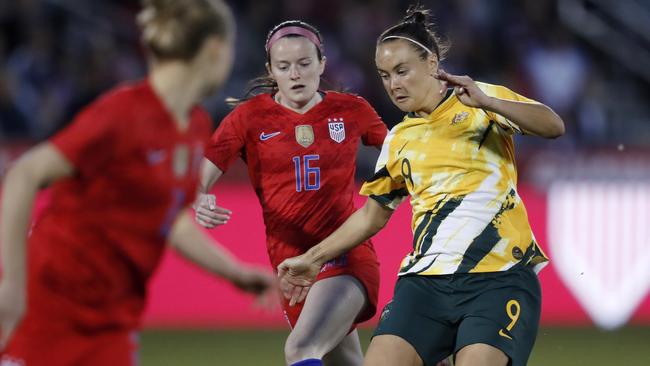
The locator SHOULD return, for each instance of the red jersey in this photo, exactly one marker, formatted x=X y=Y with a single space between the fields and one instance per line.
x=98 y=242
x=301 y=165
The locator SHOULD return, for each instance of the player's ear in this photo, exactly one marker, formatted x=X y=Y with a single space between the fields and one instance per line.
x=268 y=69
x=432 y=61
x=321 y=66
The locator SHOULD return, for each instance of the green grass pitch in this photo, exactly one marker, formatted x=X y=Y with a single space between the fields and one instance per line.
x=555 y=347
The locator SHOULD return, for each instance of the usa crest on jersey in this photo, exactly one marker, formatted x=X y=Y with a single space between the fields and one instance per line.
x=337 y=129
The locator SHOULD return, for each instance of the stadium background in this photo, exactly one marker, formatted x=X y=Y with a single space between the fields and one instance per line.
x=587 y=193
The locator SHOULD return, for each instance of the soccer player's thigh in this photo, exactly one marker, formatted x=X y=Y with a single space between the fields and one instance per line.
x=327 y=316
x=503 y=316
x=416 y=327
x=390 y=350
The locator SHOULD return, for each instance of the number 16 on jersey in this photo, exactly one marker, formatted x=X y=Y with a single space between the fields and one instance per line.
x=307 y=176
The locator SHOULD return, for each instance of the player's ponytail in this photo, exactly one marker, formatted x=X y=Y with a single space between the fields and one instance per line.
x=259 y=85
x=417 y=14
x=173 y=29
x=416 y=27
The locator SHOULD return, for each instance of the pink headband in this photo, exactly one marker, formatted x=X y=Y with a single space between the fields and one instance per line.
x=299 y=31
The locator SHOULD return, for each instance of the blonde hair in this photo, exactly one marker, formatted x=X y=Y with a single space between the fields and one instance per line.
x=176 y=29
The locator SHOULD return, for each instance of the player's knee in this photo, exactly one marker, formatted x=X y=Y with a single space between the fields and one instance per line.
x=299 y=348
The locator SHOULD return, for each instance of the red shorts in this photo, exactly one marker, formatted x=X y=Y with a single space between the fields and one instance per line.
x=360 y=263
x=54 y=343
x=56 y=332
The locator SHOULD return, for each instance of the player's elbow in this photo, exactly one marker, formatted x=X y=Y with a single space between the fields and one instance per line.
x=553 y=126
x=376 y=216
x=556 y=129
x=24 y=173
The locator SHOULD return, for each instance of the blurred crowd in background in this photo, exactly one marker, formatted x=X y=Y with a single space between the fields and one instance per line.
x=585 y=59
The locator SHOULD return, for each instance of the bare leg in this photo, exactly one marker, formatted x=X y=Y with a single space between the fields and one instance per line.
x=481 y=354
x=390 y=350
x=348 y=352
x=330 y=309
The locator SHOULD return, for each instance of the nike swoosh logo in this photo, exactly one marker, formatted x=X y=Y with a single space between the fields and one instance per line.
x=402 y=148
x=503 y=334
x=156 y=156
x=265 y=137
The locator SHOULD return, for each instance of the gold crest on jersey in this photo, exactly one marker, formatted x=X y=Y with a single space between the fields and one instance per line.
x=304 y=135
x=459 y=117
x=181 y=160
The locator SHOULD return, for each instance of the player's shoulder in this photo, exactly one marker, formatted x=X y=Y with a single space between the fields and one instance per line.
x=400 y=131
x=127 y=91
x=202 y=119
x=345 y=97
x=337 y=102
x=249 y=111
x=121 y=97
x=254 y=104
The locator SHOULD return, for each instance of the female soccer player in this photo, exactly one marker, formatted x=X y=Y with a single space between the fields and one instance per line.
x=469 y=287
x=122 y=176
x=300 y=146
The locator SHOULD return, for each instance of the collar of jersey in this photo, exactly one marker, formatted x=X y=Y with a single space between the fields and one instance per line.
x=271 y=98
x=450 y=92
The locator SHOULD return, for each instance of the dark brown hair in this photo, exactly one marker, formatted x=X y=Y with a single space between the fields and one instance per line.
x=265 y=83
x=176 y=29
x=416 y=25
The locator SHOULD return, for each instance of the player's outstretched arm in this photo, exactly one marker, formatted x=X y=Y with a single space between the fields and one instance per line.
x=533 y=118
x=201 y=250
x=206 y=211
x=298 y=273
x=39 y=167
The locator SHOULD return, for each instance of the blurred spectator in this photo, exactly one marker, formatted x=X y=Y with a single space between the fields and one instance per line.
x=12 y=122
x=558 y=71
x=56 y=55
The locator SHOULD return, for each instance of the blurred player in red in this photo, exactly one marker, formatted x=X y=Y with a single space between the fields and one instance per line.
x=300 y=146
x=122 y=175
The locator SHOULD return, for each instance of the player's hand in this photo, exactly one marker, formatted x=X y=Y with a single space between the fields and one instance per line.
x=207 y=213
x=296 y=275
x=465 y=89
x=254 y=280
x=13 y=302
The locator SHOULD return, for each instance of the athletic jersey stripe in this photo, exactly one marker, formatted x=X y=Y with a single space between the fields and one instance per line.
x=463 y=157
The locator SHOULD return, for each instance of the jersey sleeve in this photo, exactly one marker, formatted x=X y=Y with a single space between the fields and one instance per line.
x=227 y=142
x=374 y=131
x=388 y=191
x=90 y=140
x=502 y=92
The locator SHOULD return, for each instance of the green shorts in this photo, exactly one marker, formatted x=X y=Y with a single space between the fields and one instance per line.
x=439 y=315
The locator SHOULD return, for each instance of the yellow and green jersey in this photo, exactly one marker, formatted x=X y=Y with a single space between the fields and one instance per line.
x=458 y=166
